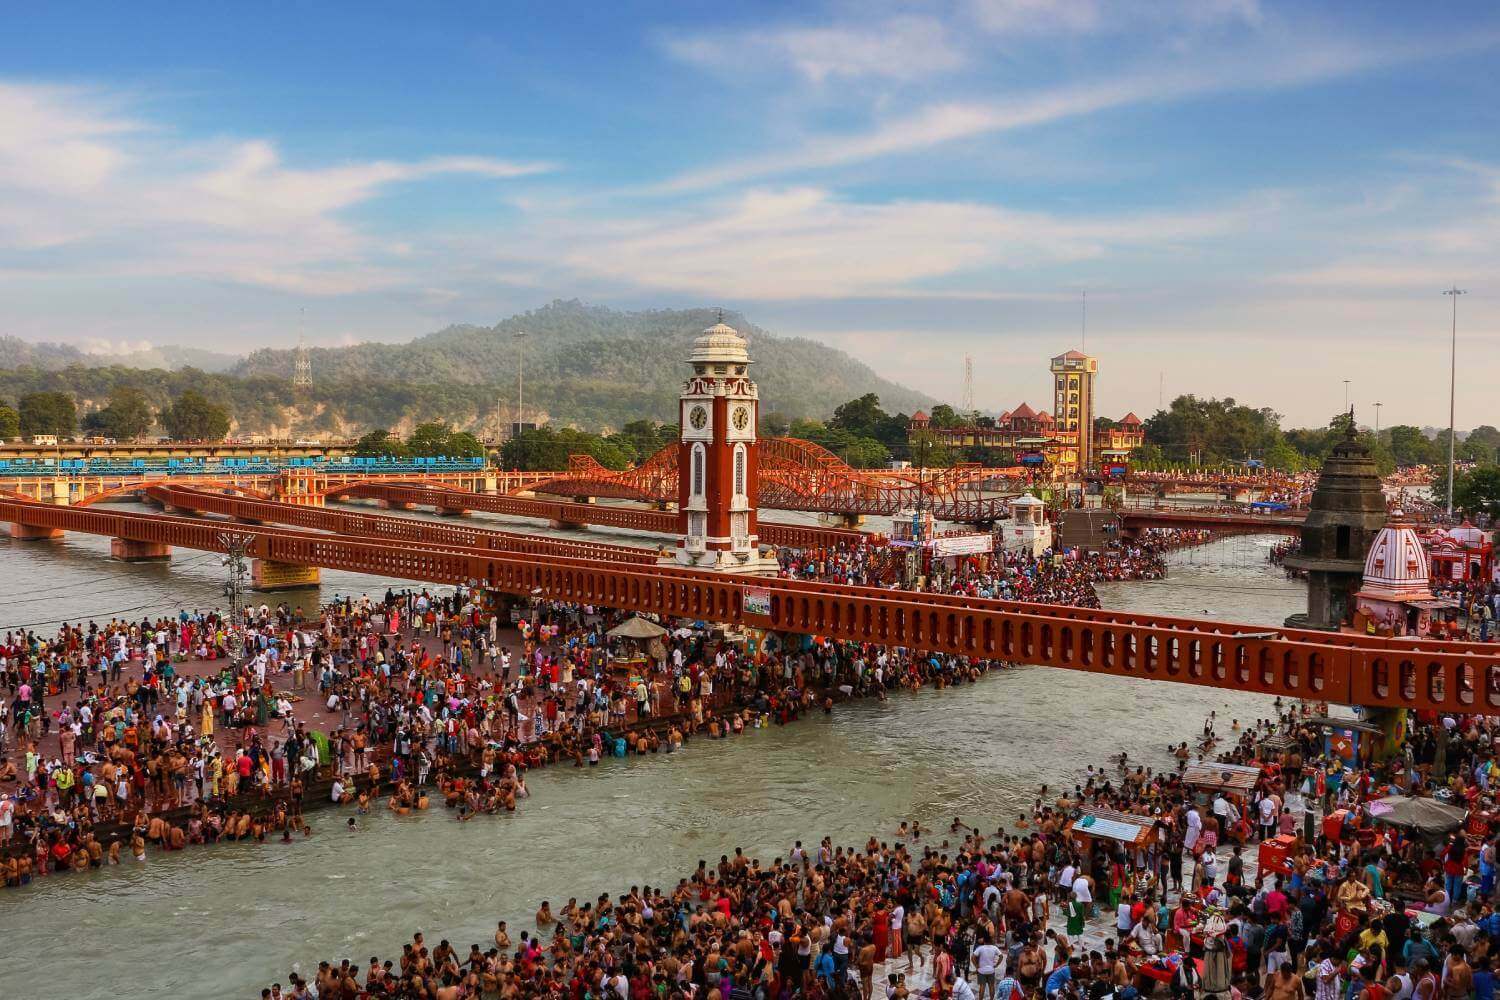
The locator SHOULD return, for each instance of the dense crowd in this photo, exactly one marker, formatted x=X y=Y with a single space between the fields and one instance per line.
x=414 y=688
x=1047 y=577
x=1349 y=909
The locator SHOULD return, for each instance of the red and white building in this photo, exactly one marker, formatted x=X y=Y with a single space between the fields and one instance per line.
x=1395 y=597
x=716 y=463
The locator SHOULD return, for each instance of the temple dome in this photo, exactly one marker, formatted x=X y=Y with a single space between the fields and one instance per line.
x=1396 y=568
x=720 y=344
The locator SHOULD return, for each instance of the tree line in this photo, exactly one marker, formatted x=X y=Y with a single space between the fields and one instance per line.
x=128 y=414
x=1218 y=432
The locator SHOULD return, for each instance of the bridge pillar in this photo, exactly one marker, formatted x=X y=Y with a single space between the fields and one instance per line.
x=267 y=574
x=490 y=484
x=453 y=511
x=61 y=492
x=395 y=505
x=127 y=550
x=27 y=533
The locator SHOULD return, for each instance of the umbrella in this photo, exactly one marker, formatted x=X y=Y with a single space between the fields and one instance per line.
x=1426 y=816
x=637 y=628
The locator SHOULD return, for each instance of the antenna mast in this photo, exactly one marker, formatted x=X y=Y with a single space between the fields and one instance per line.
x=302 y=365
x=968 y=400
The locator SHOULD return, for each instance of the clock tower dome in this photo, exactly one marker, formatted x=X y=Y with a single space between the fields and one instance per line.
x=716 y=461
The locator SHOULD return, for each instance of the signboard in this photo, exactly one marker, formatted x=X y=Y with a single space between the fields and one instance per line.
x=757 y=601
x=962 y=545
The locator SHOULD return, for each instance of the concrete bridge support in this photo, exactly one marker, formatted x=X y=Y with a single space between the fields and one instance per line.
x=126 y=550
x=267 y=574
x=27 y=533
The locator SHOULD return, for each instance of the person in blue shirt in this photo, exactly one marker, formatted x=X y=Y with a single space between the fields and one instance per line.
x=1060 y=977
x=825 y=968
x=1484 y=978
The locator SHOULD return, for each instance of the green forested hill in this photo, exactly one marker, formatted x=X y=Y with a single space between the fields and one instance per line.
x=596 y=367
x=586 y=366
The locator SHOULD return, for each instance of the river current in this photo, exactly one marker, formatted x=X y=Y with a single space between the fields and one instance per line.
x=226 y=920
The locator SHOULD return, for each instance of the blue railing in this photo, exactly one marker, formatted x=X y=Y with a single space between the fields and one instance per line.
x=229 y=466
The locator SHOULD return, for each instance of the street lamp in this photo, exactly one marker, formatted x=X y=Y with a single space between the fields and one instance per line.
x=1377 y=420
x=1346 y=395
x=1455 y=292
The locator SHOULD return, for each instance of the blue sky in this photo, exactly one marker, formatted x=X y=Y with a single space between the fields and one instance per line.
x=1260 y=199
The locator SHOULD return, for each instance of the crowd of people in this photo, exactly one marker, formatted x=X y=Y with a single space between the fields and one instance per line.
x=1048 y=577
x=150 y=731
x=1350 y=909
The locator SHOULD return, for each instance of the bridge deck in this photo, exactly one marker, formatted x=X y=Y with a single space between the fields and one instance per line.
x=1458 y=677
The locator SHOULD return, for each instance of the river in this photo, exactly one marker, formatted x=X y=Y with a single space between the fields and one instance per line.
x=226 y=920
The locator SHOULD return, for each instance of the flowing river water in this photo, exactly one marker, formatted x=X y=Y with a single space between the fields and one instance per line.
x=226 y=920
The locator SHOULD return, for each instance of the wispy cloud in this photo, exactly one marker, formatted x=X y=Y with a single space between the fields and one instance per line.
x=905 y=47
x=806 y=243
x=1269 y=60
x=98 y=190
x=1073 y=17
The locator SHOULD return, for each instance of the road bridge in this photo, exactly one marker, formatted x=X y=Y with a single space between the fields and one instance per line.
x=563 y=514
x=401 y=529
x=306 y=485
x=1295 y=663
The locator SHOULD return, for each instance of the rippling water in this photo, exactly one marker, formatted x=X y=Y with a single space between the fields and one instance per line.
x=223 y=921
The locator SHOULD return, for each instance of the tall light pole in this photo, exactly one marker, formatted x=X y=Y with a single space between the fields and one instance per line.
x=1346 y=395
x=520 y=380
x=1455 y=292
x=1377 y=420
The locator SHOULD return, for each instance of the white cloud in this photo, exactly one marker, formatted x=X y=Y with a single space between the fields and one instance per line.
x=1276 y=58
x=904 y=47
x=102 y=192
x=804 y=243
x=1037 y=16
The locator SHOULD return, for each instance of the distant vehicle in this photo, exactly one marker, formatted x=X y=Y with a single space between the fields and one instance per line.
x=308 y=442
x=44 y=440
x=98 y=440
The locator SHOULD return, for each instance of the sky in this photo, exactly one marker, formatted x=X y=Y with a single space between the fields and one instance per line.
x=1259 y=200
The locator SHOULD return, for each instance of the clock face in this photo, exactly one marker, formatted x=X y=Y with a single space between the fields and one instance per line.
x=698 y=417
x=741 y=418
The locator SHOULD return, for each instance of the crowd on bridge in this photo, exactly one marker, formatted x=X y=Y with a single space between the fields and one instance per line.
x=1343 y=907
x=1048 y=577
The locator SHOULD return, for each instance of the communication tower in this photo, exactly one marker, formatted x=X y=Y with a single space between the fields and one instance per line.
x=302 y=363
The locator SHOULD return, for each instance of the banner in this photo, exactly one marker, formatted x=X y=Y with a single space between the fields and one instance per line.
x=757 y=601
x=962 y=545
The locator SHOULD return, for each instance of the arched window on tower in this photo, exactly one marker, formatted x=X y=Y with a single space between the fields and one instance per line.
x=699 y=460
x=739 y=471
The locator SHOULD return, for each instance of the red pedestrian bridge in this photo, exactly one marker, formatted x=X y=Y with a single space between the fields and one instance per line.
x=1335 y=667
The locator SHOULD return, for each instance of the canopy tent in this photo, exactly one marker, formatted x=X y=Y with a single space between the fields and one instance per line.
x=1229 y=777
x=1425 y=816
x=1128 y=828
x=637 y=628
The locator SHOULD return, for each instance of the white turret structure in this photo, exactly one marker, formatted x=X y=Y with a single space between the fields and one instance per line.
x=1028 y=531
x=1396 y=592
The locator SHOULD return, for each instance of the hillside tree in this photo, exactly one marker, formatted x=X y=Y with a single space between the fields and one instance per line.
x=191 y=417
x=48 y=413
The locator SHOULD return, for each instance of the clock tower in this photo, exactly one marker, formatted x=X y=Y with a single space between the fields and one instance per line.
x=716 y=461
